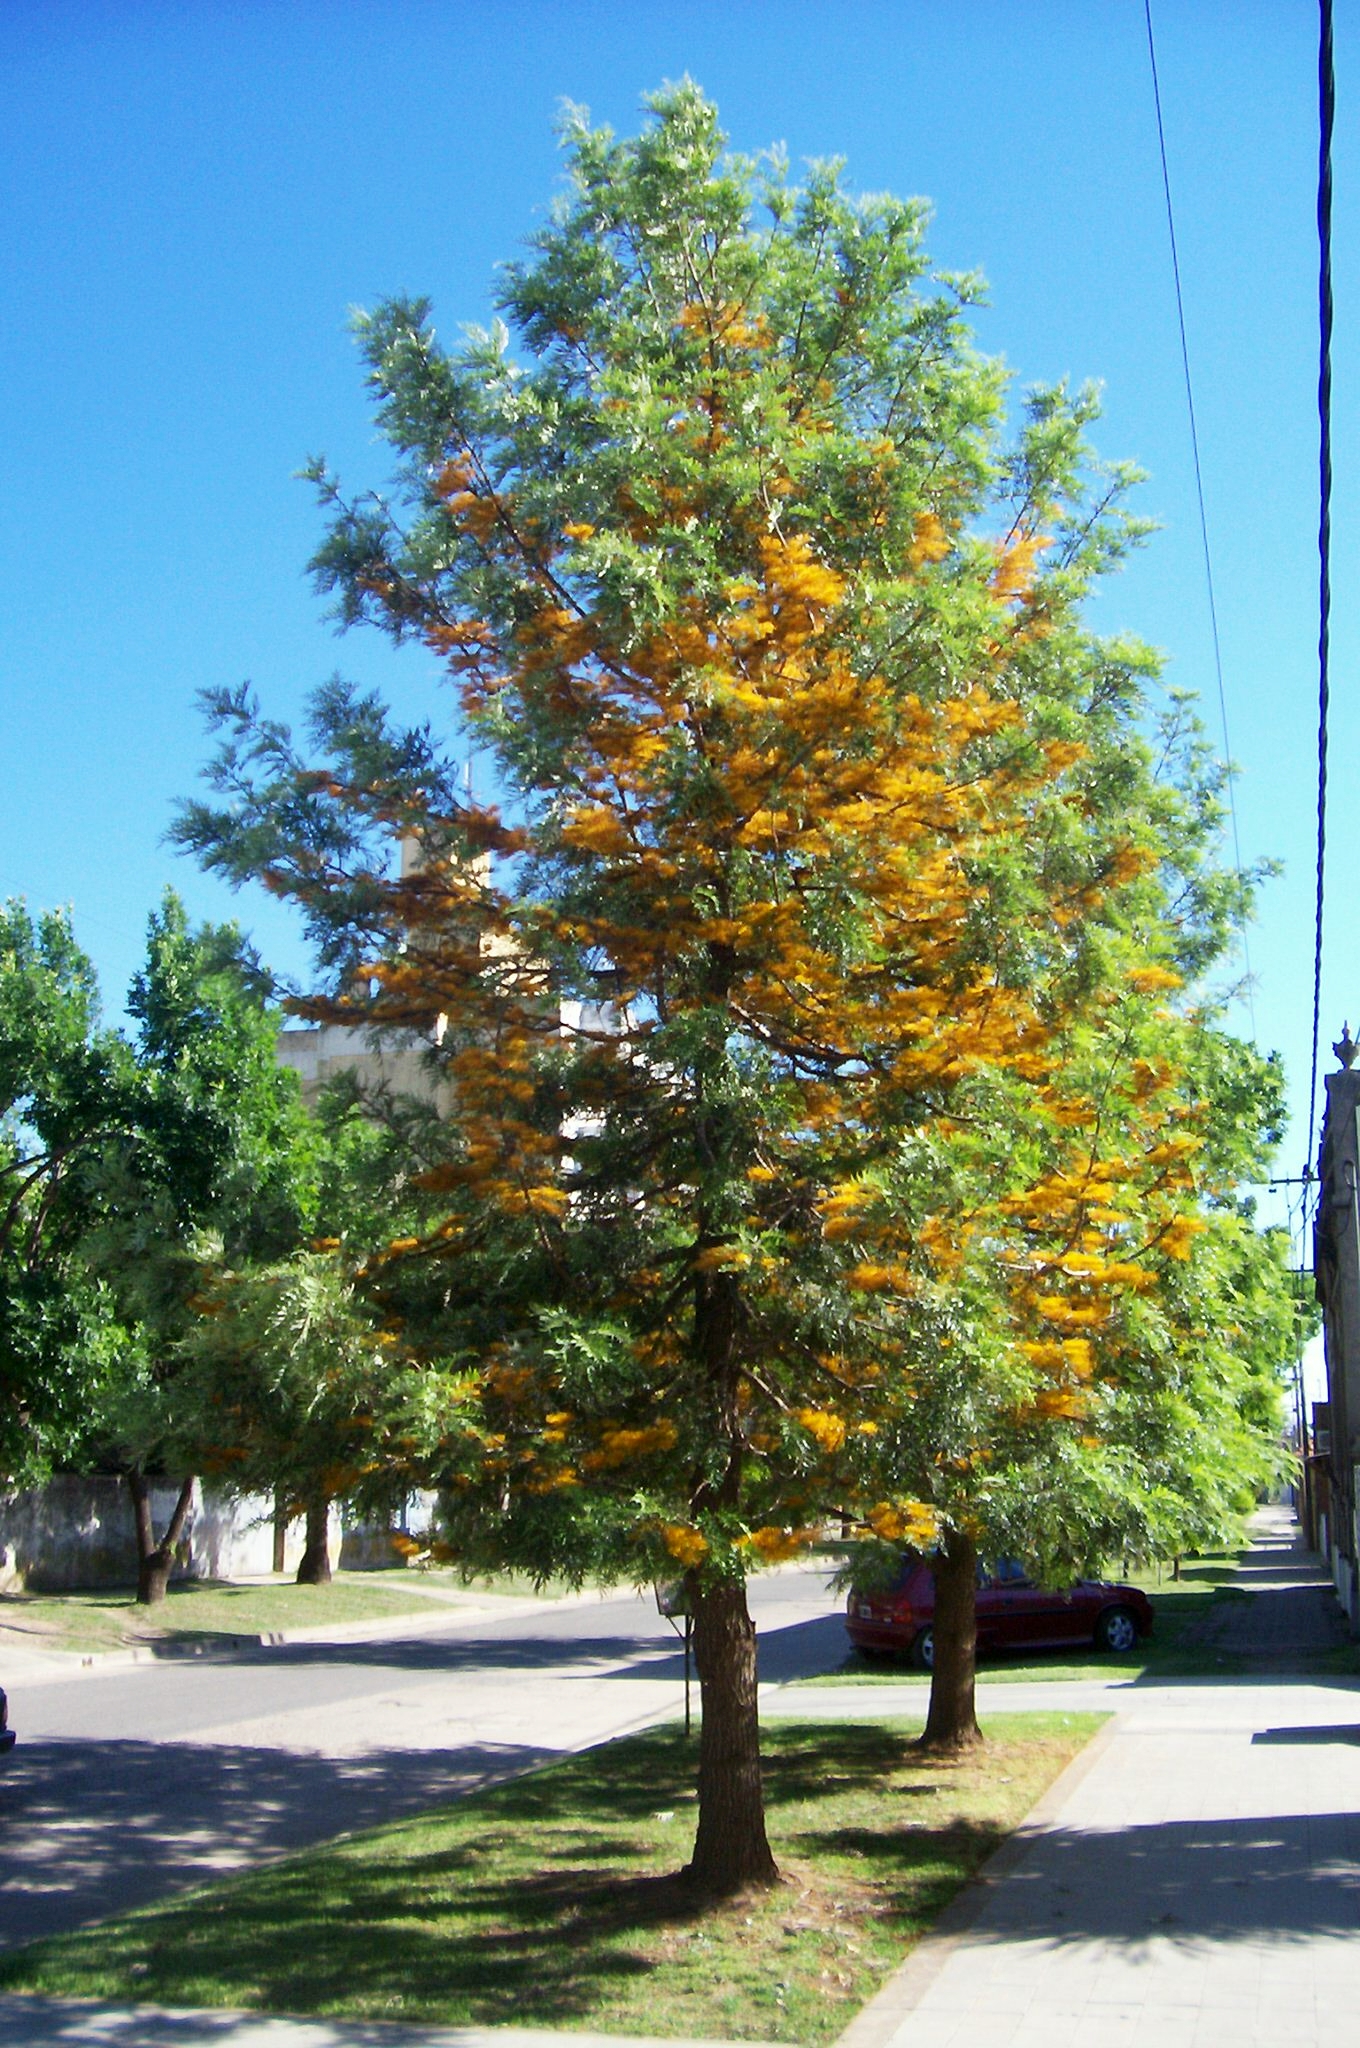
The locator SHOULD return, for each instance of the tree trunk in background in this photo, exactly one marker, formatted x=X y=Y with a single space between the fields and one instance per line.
x=951 y=1723
x=281 y=1521
x=315 y=1569
x=154 y=1560
x=730 y=1847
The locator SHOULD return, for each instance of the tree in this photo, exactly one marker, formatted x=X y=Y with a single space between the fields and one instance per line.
x=286 y=1378
x=116 y=1157
x=224 y=1161
x=823 y=865
x=1134 y=1406
x=1136 y=1418
x=68 y=1089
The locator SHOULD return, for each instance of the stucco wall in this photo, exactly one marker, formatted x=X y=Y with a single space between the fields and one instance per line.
x=77 y=1532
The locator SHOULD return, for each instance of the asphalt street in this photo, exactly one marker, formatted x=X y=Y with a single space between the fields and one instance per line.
x=130 y=1782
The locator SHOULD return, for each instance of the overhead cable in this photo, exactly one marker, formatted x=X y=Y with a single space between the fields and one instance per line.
x=1199 y=491
x=1326 y=112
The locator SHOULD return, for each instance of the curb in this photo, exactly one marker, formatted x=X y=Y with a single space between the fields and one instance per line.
x=91 y=2023
x=45 y=1666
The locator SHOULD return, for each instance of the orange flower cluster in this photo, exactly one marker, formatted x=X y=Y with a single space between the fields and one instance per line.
x=764 y=814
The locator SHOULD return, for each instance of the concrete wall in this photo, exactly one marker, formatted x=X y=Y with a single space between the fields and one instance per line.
x=78 y=1532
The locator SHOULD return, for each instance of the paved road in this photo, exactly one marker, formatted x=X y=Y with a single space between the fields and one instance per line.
x=134 y=1781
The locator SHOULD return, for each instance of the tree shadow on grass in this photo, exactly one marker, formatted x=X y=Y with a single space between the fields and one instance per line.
x=533 y=1916
x=956 y=1848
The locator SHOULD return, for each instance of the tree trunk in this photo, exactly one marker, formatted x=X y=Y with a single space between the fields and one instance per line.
x=951 y=1723
x=281 y=1520
x=154 y=1560
x=315 y=1569
x=730 y=1848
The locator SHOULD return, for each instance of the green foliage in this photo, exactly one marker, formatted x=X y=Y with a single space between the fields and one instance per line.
x=845 y=1118
x=283 y=1379
x=68 y=1089
x=124 y=1161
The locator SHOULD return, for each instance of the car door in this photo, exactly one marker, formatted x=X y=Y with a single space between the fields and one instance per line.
x=1017 y=1610
x=1045 y=1615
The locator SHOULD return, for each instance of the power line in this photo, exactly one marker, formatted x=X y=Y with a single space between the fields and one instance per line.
x=1199 y=492
x=1326 y=113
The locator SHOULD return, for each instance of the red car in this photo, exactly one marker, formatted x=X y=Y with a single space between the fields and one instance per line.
x=1012 y=1613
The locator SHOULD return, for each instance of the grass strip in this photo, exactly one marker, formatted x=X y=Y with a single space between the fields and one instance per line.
x=554 y=1901
x=194 y=1609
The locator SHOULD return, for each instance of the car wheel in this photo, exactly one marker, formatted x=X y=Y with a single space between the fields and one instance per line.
x=1117 y=1630
x=923 y=1650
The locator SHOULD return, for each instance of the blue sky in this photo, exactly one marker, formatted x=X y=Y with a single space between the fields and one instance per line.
x=197 y=193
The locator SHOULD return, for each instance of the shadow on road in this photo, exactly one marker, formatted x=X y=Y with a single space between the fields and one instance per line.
x=95 y=1828
x=635 y=1653
x=1342 y=1731
x=800 y=1649
x=52 y=2023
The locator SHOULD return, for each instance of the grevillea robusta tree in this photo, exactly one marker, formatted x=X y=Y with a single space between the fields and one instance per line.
x=796 y=996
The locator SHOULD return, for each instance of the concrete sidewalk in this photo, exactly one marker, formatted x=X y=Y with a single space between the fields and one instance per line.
x=1194 y=1879
x=68 y=2023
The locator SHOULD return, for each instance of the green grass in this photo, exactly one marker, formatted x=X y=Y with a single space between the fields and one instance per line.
x=554 y=1900
x=1173 y=1650
x=197 y=1609
x=518 y=1585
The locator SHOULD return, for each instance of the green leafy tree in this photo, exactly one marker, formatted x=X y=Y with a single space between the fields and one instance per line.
x=118 y=1158
x=68 y=1090
x=224 y=1163
x=287 y=1379
x=774 y=1002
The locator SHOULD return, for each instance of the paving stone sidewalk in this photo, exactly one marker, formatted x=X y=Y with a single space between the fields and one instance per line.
x=1287 y=1609
x=1193 y=1880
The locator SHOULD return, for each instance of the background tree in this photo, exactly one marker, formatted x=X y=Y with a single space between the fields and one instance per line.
x=1112 y=1380
x=68 y=1088
x=1108 y=1246
x=822 y=868
x=286 y=1378
x=224 y=1164
x=123 y=1164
